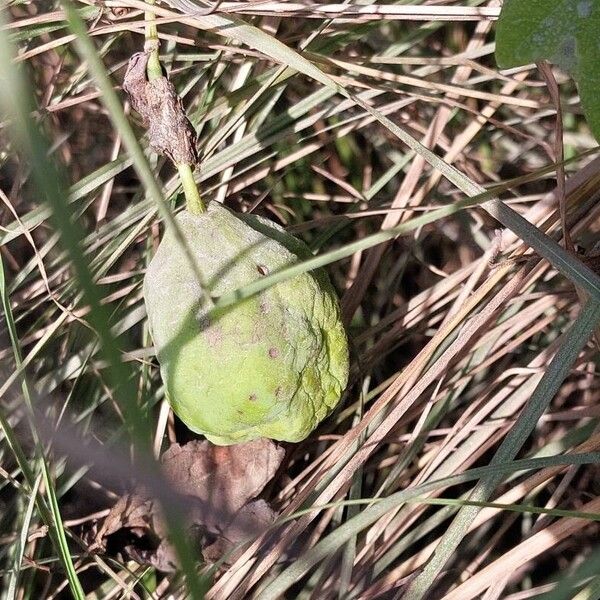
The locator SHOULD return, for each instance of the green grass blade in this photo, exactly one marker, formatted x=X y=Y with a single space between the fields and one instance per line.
x=19 y=106
x=558 y=369
x=335 y=540
x=50 y=516
x=11 y=593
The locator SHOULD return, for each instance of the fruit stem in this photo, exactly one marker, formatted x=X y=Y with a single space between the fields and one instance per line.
x=193 y=201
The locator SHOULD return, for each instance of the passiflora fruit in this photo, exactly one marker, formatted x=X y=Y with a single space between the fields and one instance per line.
x=272 y=365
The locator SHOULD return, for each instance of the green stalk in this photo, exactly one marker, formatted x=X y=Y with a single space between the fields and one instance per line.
x=193 y=201
x=152 y=44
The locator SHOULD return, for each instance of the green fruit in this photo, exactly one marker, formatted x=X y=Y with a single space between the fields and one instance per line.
x=273 y=365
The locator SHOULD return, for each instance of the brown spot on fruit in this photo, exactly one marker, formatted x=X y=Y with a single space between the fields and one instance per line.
x=252 y=397
x=273 y=352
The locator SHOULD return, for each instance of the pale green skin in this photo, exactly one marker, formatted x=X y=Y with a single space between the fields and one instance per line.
x=271 y=366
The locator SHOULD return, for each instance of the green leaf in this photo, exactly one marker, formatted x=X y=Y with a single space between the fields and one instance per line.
x=564 y=32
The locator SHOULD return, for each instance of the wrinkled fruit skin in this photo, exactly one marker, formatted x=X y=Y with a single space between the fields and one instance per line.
x=273 y=365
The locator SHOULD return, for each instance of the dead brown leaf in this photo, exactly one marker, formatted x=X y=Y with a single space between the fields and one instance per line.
x=217 y=483
x=222 y=478
x=170 y=132
x=250 y=521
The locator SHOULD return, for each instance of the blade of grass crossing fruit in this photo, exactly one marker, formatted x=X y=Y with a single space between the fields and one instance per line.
x=197 y=586
x=232 y=27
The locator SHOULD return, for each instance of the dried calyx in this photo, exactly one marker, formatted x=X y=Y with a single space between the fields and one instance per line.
x=170 y=132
